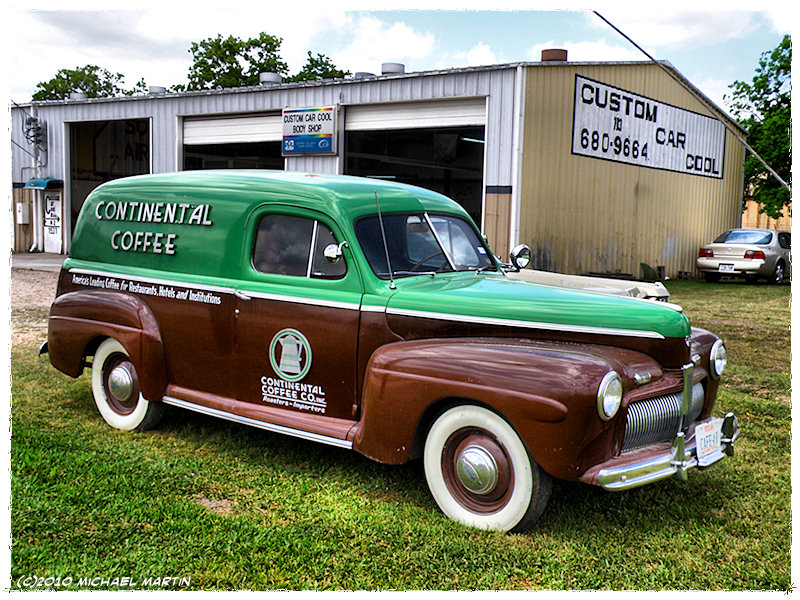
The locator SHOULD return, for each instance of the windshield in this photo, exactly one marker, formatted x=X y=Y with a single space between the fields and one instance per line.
x=744 y=237
x=421 y=244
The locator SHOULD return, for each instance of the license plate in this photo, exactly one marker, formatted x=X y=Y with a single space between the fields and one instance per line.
x=726 y=268
x=708 y=437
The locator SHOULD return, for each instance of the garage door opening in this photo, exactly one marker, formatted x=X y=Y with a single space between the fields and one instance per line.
x=447 y=160
x=245 y=141
x=104 y=150
x=254 y=155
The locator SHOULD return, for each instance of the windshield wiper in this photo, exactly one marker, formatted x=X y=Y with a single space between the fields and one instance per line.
x=486 y=268
x=431 y=273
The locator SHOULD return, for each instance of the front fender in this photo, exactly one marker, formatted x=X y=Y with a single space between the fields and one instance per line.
x=546 y=390
x=79 y=319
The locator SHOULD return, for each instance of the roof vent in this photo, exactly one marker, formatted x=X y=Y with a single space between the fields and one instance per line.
x=157 y=90
x=77 y=96
x=554 y=55
x=393 y=68
x=363 y=74
x=269 y=78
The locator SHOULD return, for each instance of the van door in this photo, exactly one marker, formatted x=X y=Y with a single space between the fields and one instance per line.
x=297 y=318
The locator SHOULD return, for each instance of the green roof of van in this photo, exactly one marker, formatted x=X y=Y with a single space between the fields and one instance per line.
x=349 y=196
x=196 y=222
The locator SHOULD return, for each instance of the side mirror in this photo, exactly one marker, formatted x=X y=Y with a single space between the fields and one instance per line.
x=520 y=257
x=333 y=252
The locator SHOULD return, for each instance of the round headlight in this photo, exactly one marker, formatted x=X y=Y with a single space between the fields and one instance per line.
x=609 y=395
x=717 y=359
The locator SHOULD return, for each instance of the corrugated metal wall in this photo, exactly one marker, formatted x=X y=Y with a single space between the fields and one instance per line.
x=582 y=214
x=492 y=87
x=167 y=112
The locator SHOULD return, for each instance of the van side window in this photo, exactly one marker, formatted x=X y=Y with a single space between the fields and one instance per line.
x=289 y=245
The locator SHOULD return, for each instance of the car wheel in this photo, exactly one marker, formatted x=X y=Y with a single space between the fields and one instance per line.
x=115 y=387
x=777 y=276
x=480 y=472
x=711 y=277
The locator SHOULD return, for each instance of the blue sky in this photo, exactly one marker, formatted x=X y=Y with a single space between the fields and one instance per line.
x=712 y=48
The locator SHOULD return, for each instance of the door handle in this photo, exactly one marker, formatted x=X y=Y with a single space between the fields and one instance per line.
x=241 y=295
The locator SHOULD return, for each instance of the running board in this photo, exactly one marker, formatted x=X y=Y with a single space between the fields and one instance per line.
x=221 y=414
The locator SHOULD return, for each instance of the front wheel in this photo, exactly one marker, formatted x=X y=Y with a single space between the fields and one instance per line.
x=115 y=387
x=480 y=473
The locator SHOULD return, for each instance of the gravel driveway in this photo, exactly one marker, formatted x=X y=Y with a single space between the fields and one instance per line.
x=32 y=293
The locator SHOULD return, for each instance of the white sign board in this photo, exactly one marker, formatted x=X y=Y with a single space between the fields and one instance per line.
x=52 y=222
x=613 y=124
x=309 y=130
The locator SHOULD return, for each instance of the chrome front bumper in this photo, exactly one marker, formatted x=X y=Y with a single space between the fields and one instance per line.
x=658 y=461
x=647 y=465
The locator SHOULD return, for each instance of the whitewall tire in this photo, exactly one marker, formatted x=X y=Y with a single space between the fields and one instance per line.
x=480 y=472
x=115 y=387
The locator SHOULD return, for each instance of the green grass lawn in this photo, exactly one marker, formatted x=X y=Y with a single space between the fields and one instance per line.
x=229 y=507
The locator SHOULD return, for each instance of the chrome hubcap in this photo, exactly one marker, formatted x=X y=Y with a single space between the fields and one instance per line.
x=120 y=383
x=477 y=470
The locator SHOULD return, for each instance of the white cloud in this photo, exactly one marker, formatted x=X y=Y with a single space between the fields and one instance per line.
x=375 y=42
x=146 y=44
x=782 y=16
x=479 y=55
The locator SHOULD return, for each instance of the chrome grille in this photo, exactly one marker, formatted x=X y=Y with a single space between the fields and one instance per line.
x=658 y=419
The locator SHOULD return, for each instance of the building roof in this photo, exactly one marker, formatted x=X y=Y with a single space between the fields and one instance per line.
x=666 y=65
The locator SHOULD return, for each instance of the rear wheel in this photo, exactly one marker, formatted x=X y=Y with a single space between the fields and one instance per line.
x=711 y=277
x=777 y=276
x=480 y=473
x=115 y=387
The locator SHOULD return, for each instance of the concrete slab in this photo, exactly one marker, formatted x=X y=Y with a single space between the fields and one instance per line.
x=37 y=261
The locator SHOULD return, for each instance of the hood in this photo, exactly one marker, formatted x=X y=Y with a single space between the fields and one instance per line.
x=490 y=304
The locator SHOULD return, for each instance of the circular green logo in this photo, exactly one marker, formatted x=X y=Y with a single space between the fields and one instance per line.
x=290 y=355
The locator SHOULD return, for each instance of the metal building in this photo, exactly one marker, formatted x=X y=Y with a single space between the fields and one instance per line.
x=597 y=166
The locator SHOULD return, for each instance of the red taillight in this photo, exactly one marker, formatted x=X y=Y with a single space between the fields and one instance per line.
x=754 y=254
x=706 y=253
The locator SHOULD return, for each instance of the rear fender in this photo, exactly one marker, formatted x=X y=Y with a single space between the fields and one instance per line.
x=546 y=390
x=80 y=320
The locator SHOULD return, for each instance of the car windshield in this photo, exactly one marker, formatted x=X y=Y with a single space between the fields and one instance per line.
x=421 y=244
x=744 y=237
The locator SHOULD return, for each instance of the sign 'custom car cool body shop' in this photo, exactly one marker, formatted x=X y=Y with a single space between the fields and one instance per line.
x=372 y=316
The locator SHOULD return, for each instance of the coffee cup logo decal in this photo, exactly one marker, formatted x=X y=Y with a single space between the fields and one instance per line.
x=290 y=355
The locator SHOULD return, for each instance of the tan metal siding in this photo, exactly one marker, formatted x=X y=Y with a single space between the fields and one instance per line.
x=582 y=214
x=23 y=234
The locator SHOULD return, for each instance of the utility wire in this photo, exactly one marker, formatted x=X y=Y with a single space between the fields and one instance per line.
x=701 y=99
x=26 y=151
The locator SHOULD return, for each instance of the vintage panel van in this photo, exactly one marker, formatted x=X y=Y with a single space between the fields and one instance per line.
x=372 y=316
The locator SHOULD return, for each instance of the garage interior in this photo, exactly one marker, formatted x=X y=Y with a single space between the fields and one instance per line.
x=446 y=160
x=101 y=151
x=248 y=155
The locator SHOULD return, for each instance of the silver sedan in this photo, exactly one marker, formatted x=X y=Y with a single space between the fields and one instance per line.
x=748 y=253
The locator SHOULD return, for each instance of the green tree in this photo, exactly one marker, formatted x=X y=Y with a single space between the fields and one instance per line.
x=764 y=108
x=91 y=80
x=318 y=67
x=232 y=62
